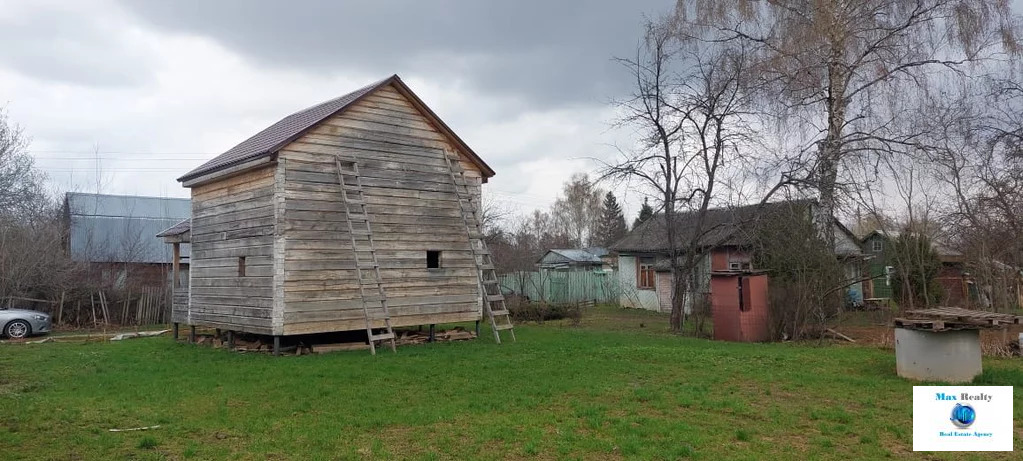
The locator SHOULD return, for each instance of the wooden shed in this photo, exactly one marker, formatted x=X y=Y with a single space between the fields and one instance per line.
x=356 y=213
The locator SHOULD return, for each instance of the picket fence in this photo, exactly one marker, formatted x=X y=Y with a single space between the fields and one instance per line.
x=563 y=286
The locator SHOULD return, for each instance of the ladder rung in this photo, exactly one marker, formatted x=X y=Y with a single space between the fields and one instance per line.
x=498 y=312
x=358 y=217
x=481 y=251
x=491 y=282
x=361 y=232
x=356 y=202
x=367 y=265
x=505 y=327
x=487 y=267
x=497 y=297
x=381 y=337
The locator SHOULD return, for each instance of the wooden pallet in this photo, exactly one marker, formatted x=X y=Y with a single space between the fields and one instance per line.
x=958 y=315
x=920 y=324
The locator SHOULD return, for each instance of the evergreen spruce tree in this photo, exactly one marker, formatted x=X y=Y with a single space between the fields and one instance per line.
x=644 y=214
x=611 y=225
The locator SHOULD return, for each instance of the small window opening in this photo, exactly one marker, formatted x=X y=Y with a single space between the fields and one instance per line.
x=647 y=274
x=241 y=266
x=740 y=266
x=433 y=259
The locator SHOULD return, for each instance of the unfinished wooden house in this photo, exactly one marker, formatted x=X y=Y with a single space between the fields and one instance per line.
x=357 y=213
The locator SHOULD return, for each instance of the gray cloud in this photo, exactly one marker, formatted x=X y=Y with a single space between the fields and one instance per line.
x=549 y=53
x=66 y=46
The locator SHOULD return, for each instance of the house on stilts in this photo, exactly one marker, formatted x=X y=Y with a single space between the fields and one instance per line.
x=359 y=213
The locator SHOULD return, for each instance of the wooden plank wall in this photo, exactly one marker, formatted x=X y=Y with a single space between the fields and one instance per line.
x=232 y=218
x=179 y=305
x=412 y=207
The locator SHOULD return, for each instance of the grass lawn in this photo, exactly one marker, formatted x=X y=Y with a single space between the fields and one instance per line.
x=607 y=389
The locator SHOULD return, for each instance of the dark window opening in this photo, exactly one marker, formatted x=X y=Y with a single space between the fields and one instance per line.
x=241 y=266
x=743 y=292
x=433 y=259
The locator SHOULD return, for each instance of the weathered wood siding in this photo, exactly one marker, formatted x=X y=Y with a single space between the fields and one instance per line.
x=412 y=208
x=179 y=305
x=233 y=218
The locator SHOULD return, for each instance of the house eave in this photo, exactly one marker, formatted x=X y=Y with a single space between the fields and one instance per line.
x=224 y=173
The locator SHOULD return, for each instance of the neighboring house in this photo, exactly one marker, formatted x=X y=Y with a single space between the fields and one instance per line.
x=117 y=235
x=953 y=277
x=582 y=259
x=644 y=268
x=277 y=241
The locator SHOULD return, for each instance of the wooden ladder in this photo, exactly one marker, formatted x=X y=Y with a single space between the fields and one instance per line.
x=493 y=301
x=374 y=306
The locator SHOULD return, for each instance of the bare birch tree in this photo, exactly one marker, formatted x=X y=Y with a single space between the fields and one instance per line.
x=826 y=65
x=577 y=210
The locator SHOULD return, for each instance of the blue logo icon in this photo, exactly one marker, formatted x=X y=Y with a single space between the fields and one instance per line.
x=963 y=415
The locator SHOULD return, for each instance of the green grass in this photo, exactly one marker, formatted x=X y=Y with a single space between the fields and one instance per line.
x=606 y=389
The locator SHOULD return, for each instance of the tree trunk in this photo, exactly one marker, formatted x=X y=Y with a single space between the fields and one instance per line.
x=830 y=153
x=679 y=291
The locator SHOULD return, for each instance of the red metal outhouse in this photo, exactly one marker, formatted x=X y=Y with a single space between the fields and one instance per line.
x=739 y=306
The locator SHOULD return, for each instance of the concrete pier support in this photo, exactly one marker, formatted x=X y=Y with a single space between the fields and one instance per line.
x=951 y=356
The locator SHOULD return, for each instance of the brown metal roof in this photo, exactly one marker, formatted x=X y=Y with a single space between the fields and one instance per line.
x=290 y=128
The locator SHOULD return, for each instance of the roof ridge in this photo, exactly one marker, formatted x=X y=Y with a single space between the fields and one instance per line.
x=286 y=130
x=365 y=88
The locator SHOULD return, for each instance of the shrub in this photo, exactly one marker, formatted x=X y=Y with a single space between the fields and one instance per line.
x=917 y=264
x=541 y=312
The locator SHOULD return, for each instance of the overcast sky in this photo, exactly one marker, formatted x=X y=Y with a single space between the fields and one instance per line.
x=158 y=87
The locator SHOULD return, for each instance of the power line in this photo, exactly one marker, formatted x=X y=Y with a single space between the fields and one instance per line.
x=87 y=159
x=118 y=152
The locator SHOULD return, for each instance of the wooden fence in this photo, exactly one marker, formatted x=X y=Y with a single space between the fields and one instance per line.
x=564 y=286
x=137 y=306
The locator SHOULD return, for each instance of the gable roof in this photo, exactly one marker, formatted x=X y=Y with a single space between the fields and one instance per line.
x=720 y=228
x=723 y=227
x=945 y=252
x=275 y=137
x=576 y=255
